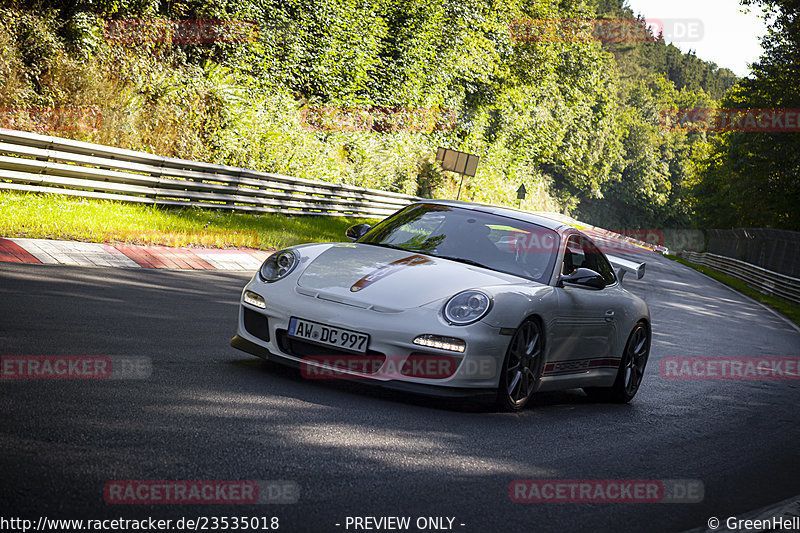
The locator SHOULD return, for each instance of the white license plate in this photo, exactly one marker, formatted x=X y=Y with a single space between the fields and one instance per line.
x=323 y=334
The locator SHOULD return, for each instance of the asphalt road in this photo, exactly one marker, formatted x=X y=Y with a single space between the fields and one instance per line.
x=211 y=412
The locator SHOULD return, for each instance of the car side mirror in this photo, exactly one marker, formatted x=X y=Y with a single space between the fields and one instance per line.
x=583 y=277
x=356 y=232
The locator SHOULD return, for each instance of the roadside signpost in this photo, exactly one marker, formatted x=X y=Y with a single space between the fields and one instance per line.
x=459 y=162
x=521 y=192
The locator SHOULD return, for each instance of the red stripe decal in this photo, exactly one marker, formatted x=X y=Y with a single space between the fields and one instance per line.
x=387 y=270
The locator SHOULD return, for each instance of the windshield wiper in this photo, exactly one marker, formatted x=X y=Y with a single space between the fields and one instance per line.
x=464 y=260
x=384 y=245
x=451 y=258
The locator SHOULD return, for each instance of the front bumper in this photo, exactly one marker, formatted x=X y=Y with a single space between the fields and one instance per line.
x=391 y=335
x=421 y=389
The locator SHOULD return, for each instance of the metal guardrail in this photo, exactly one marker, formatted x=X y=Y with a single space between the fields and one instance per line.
x=40 y=163
x=774 y=249
x=759 y=278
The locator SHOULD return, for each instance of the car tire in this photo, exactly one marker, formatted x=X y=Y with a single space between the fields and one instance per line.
x=522 y=366
x=631 y=369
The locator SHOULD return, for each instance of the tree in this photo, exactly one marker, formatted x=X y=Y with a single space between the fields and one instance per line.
x=753 y=178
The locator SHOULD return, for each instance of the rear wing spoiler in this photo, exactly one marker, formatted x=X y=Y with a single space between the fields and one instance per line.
x=623 y=266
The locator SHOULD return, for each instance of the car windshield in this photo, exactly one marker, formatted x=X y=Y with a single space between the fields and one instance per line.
x=472 y=237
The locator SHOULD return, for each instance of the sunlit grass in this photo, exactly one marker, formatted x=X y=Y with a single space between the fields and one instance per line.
x=788 y=309
x=80 y=219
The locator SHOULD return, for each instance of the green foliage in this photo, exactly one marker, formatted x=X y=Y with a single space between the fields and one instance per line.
x=651 y=190
x=646 y=57
x=649 y=181
x=752 y=179
x=54 y=216
x=576 y=121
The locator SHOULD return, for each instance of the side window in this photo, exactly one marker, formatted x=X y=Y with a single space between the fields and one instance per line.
x=597 y=262
x=582 y=253
x=574 y=257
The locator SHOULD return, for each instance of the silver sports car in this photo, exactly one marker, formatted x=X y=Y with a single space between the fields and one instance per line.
x=453 y=299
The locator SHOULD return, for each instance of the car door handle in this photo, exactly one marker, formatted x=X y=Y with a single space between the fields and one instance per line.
x=609 y=316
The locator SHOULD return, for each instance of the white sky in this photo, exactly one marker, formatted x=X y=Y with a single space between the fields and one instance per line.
x=717 y=30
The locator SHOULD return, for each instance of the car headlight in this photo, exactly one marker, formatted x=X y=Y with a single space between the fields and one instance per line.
x=467 y=307
x=278 y=265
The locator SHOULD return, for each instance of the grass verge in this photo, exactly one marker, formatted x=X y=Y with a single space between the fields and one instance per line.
x=790 y=310
x=60 y=217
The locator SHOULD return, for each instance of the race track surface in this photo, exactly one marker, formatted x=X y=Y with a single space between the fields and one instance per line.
x=209 y=412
